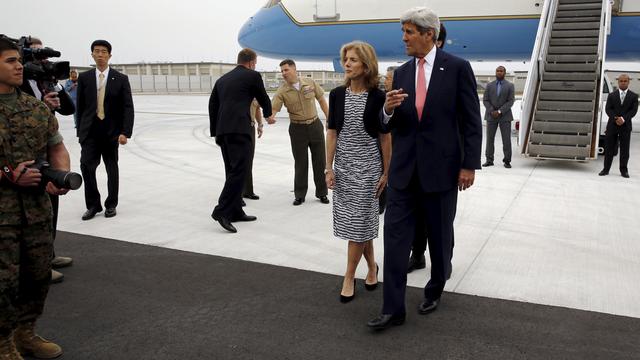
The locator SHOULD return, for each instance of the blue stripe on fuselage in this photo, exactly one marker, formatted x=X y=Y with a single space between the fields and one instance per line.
x=273 y=34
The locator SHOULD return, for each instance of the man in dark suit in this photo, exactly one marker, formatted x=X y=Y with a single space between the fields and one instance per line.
x=622 y=106
x=498 y=99
x=434 y=113
x=105 y=121
x=230 y=124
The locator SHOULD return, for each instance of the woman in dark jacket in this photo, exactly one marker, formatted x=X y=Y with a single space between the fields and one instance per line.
x=358 y=156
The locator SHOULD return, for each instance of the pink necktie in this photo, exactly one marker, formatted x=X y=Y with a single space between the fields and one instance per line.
x=421 y=89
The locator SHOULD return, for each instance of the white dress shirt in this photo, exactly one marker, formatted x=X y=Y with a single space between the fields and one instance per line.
x=106 y=76
x=36 y=92
x=622 y=94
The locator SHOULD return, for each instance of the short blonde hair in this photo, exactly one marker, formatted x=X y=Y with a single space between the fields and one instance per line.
x=367 y=55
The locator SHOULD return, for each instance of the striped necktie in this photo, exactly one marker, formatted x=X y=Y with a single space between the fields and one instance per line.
x=100 y=109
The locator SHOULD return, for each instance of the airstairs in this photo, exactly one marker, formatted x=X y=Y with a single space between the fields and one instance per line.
x=561 y=112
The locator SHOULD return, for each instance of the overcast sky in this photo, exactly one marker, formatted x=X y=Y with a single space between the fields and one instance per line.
x=150 y=31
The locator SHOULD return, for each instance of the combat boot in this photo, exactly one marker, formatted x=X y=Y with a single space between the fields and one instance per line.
x=30 y=344
x=8 y=349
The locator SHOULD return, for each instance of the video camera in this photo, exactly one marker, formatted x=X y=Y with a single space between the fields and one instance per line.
x=36 y=66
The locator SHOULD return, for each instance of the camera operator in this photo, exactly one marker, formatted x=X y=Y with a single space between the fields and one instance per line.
x=61 y=103
x=28 y=131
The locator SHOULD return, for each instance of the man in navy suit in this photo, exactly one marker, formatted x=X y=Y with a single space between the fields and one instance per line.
x=230 y=124
x=105 y=121
x=434 y=114
x=622 y=106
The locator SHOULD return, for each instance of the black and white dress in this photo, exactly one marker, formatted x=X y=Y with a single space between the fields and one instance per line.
x=357 y=167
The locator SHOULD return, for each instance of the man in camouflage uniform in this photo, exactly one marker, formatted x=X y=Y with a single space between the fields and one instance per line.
x=28 y=131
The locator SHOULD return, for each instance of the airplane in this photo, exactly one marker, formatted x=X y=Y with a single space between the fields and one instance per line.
x=476 y=30
x=514 y=30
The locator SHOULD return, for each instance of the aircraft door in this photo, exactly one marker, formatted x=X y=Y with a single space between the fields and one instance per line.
x=326 y=10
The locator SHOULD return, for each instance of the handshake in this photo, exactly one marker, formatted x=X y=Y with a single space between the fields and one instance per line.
x=271 y=120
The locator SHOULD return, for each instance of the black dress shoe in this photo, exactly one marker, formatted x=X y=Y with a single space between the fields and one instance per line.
x=428 y=306
x=416 y=263
x=603 y=173
x=298 y=201
x=324 y=199
x=225 y=223
x=372 y=287
x=346 y=299
x=625 y=174
x=384 y=321
x=507 y=165
x=110 y=212
x=251 y=196
x=246 y=217
x=488 y=163
x=89 y=214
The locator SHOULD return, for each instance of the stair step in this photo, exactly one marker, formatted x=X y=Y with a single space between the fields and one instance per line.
x=573 y=50
x=568 y=85
x=555 y=34
x=567 y=95
x=577 y=26
x=565 y=105
x=559 y=139
x=561 y=127
x=578 y=19
x=581 y=6
x=558 y=152
x=580 y=1
x=566 y=76
x=568 y=58
x=570 y=67
x=564 y=116
x=574 y=41
x=578 y=13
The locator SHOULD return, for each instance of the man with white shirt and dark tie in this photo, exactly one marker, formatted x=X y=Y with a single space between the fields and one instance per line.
x=433 y=111
x=622 y=106
x=105 y=121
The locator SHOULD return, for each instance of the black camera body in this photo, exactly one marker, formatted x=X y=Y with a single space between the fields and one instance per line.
x=61 y=179
x=36 y=65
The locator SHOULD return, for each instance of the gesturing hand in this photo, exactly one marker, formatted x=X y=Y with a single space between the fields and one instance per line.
x=393 y=100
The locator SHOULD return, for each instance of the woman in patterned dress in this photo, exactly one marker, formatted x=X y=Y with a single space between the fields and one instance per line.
x=358 y=156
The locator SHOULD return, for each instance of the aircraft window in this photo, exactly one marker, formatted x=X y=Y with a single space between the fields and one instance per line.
x=272 y=3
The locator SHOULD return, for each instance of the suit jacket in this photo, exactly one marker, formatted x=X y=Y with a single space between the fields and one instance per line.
x=118 y=105
x=627 y=110
x=66 y=103
x=449 y=135
x=231 y=99
x=375 y=102
x=503 y=102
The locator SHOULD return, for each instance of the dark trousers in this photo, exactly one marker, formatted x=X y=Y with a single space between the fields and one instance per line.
x=437 y=211
x=93 y=148
x=235 y=150
x=25 y=272
x=615 y=133
x=248 y=180
x=505 y=132
x=55 y=204
x=305 y=138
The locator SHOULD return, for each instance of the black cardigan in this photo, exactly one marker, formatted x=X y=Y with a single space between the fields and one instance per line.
x=375 y=102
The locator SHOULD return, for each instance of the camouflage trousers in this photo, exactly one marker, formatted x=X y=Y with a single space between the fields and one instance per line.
x=25 y=272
